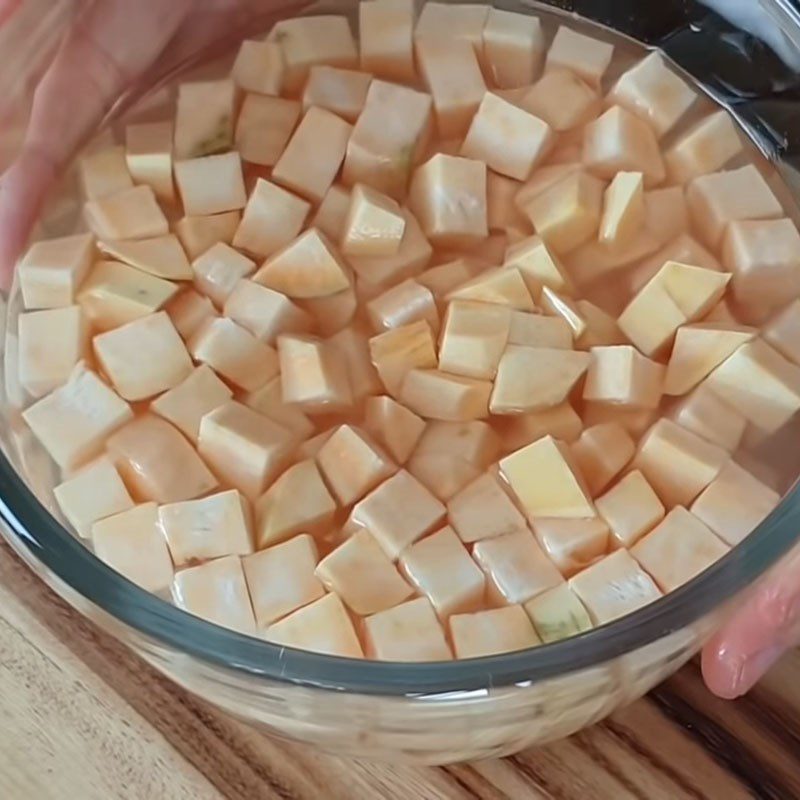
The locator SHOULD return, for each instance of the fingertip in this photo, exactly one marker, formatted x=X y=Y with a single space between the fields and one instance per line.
x=722 y=673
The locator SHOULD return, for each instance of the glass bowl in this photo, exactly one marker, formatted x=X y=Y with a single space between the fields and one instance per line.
x=429 y=713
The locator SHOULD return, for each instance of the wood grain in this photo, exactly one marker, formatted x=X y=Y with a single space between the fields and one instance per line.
x=82 y=717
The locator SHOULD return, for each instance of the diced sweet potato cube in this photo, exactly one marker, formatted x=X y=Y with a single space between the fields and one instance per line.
x=210 y=185
x=783 y=332
x=332 y=211
x=614 y=587
x=601 y=328
x=699 y=349
x=157 y=463
x=538 y=266
x=760 y=384
x=440 y=395
x=706 y=415
x=444 y=278
x=586 y=56
x=491 y=632
x=623 y=209
x=560 y=422
x=104 y=172
x=620 y=141
x=204 y=118
x=398 y=513
x=630 y=508
x=393 y=425
x=129 y=214
x=462 y=21
x=706 y=147
x=635 y=420
x=259 y=67
x=507 y=138
x=131 y=543
x=571 y=544
x=502 y=213
x=281 y=579
x=216 y=591
x=666 y=215
x=565 y=308
x=161 y=256
x=408 y=632
x=354 y=349
x=483 y=510
x=268 y=400
x=542 y=477
x=400 y=350
x=244 y=448
x=503 y=286
x=363 y=576
x=189 y=311
x=402 y=304
x=620 y=375
x=264 y=127
x=450 y=69
x=474 y=338
x=678 y=549
x=73 y=421
x=148 y=154
x=386 y=30
x=341 y=91
x=516 y=568
x=561 y=99
x=677 y=462
x=92 y=494
x=218 y=270
x=199 y=233
x=538 y=330
x=264 y=312
x=535 y=378
x=513 y=46
x=374 y=225
x=651 y=90
x=557 y=614
x=734 y=504
x=51 y=271
x=313 y=374
x=601 y=453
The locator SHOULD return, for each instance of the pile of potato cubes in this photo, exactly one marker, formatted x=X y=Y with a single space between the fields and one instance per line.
x=432 y=344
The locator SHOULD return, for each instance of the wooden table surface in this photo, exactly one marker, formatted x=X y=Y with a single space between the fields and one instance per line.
x=82 y=717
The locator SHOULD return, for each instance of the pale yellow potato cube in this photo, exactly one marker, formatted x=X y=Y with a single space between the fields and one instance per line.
x=558 y=614
x=764 y=257
x=393 y=426
x=571 y=544
x=623 y=209
x=699 y=349
x=313 y=374
x=374 y=224
x=613 y=587
x=352 y=464
x=474 y=338
x=307 y=268
x=567 y=213
x=450 y=69
x=507 y=138
x=706 y=415
x=331 y=213
x=323 y=626
x=131 y=543
x=161 y=256
x=144 y=357
x=51 y=343
x=502 y=286
x=212 y=527
x=439 y=395
x=678 y=549
x=635 y=420
x=561 y=99
x=204 y=118
x=51 y=271
x=386 y=29
x=234 y=353
x=281 y=579
x=268 y=400
x=148 y=153
x=734 y=504
x=354 y=349
x=539 y=330
x=678 y=463
x=341 y=91
x=783 y=332
x=440 y=567
x=622 y=376
x=187 y=403
x=259 y=67
x=408 y=632
x=313 y=155
x=760 y=384
x=306 y=41
x=390 y=133
x=516 y=568
x=535 y=378
x=272 y=218
x=402 y=304
x=264 y=127
x=92 y=494
x=363 y=576
x=398 y=513
x=264 y=312
x=400 y=350
x=104 y=172
x=218 y=271
x=513 y=47
x=723 y=197
x=630 y=508
x=601 y=453
x=601 y=330
x=538 y=266
x=199 y=233
x=491 y=632
x=129 y=214
x=245 y=449
x=483 y=510
x=189 y=311
x=651 y=90
x=586 y=56
x=543 y=478
x=706 y=147
x=620 y=141
x=448 y=197
x=216 y=591
x=210 y=185
x=298 y=501
x=560 y=422
x=73 y=421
